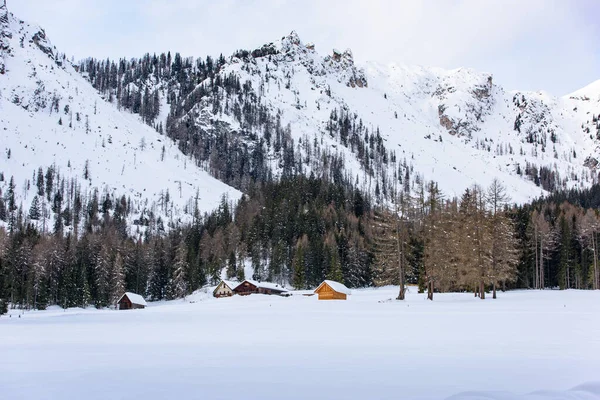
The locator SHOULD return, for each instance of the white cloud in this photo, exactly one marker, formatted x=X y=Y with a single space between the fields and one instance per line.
x=526 y=44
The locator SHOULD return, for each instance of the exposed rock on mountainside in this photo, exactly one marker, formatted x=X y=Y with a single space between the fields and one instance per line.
x=283 y=109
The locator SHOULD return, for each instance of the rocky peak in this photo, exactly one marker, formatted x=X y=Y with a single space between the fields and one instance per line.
x=343 y=63
x=293 y=38
x=346 y=56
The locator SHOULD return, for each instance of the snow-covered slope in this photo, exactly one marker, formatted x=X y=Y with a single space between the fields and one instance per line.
x=50 y=116
x=589 y=92
x=456 y=127
x=526 y=345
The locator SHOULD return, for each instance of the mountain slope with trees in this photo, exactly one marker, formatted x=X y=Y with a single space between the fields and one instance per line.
x=129 y=175
x=64 y=145
x=283 y=107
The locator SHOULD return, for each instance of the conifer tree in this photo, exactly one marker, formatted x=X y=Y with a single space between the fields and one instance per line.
x=588 y=234
x=298 y=274
x=102 y=269
x=12 y=205
x=117 y=280
x=34 y=210
x=334 y=272
x=178 y=284
x=231 y=265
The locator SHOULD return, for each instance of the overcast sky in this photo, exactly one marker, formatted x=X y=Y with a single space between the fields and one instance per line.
x=551 y=45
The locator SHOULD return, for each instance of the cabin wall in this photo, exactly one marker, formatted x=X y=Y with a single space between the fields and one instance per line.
x=332 y=296
x=327 y=293
x=125 y=304
x=245 y=289
x=223 y=291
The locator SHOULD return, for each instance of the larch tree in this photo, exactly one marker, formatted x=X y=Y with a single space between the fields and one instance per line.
x=476 y=249
x=390 y=236
x=588 y=235
x=433 y=233
x=543 y=237
x=504 y=252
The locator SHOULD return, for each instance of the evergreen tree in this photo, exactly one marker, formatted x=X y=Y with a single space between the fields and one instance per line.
x=34 y=210
x=102 y=270
x=298 y=274
x=231 y=265
x=12 y=205
x=178 y=285
x=117 y=280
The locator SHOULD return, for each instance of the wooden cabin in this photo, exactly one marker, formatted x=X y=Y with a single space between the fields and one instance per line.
x=224 y=289
x=130 y=301
x=272 y=288
x=245 y=288
x=332 y=290
x=249 y=287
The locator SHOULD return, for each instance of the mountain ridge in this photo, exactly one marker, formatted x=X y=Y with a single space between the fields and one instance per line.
x=466 y=104
x=284 y=108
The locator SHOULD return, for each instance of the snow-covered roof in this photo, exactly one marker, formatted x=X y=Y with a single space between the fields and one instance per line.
x=338 y=287
x=134 y=298
x=230 y=284
x=266 y=285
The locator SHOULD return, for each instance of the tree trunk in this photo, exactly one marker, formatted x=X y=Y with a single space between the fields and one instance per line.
x=481 y=290
x=402 y=292
x=595 y=283
x=430 y=290
x=400 y=263
x=541 y=260
x=536 y=279
x=494 y=290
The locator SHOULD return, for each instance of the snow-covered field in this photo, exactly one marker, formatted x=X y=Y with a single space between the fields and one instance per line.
x=267 y=347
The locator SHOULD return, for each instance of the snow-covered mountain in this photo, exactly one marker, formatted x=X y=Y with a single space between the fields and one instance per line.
x=455 y=127
x=52 y=118
x=279 y=109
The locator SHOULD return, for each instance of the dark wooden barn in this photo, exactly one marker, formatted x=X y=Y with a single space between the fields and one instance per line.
x=130 y=301
x=249 y=287
x=245 y=288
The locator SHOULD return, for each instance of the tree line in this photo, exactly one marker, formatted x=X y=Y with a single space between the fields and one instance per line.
x=301 y=230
